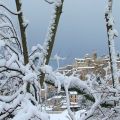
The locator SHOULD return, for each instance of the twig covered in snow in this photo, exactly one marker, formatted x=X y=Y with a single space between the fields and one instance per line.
x=7 y=31
x=14 y=13
x=50 y=2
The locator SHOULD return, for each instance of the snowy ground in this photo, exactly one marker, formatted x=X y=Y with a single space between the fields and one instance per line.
x=64 y=115
x=59 y=116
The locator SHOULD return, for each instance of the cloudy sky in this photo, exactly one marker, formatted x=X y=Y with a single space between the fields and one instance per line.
x=81 y=29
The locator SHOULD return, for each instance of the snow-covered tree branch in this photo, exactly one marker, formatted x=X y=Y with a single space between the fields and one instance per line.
x=112 y=33
x=51 y=34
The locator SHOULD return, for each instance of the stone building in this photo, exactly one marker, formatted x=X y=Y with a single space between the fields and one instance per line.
x=73 y=97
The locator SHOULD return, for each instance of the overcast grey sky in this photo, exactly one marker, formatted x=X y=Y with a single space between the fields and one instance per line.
x=81 y=29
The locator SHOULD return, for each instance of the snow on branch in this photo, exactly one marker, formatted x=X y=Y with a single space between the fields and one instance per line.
x=50 y=2
x=8 y=32
x=112 y=33
x=100 y=92
x=25 y=102
x=14 y=77
x=4 y=6
x=52 y=29
x=15 y=71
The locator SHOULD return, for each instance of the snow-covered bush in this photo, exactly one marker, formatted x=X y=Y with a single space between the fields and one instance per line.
x=15 y=102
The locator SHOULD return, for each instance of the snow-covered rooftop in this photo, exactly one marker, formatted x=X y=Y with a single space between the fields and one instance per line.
x=73 y=92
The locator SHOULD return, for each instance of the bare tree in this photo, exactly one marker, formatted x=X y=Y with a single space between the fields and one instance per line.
x=23 y=26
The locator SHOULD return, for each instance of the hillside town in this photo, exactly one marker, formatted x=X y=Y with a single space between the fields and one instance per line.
x=89 y=64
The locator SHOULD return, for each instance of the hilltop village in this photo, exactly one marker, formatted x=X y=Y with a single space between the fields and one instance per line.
x=89 y=64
